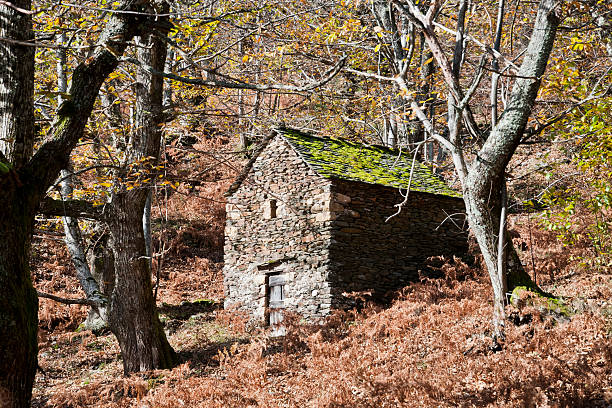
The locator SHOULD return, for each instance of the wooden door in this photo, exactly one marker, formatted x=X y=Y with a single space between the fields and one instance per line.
x=276 y=303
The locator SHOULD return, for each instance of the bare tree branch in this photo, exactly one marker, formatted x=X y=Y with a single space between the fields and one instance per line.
x=68 y=301
x=234 y=83
x=18 y=9
x=71 y=208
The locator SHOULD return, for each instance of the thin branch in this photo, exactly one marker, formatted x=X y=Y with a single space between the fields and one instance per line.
x=495 y=76
x=71 y=208
x=413 y=13
x=468 y=95
x=32 y=44
x=459 y=52
x=86 y=169
x=430 y=129
x=105 y=147
x=68 y=301
x=370 y=75
x=258 y=30
x=18 y=9
x=539 y=128
x=450 y=217
x=501 y=244
x=486 y=48
x=146 y=14
x=403 y=203
x=234 y=83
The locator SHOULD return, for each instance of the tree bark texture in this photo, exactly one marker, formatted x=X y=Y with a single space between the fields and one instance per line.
x=143 y=343
x=18 y=300
x=24 y=179
x=16 y=84
x=102 y=267
x=483 y=185
x=74 y=243
x=133 y=316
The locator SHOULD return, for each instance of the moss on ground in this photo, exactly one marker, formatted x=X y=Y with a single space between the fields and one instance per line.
x=528 y=296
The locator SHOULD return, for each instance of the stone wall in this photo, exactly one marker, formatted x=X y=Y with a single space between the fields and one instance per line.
x=326 y=236
x=370 y=253
x=272 y=226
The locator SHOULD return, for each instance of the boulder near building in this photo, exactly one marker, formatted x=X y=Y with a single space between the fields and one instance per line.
x=308 y=220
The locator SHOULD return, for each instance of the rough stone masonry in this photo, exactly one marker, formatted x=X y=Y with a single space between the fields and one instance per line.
x=312 y=214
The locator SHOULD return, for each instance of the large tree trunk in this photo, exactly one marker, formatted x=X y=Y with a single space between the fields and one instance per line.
x=141 y=337
x=133 y=315
x=16 y=84
x=483 y=185
x=18 y=300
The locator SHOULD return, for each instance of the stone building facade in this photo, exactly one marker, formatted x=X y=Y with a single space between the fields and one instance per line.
x=308 y=220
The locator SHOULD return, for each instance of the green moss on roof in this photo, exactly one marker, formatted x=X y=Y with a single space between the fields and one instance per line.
x=335 y=158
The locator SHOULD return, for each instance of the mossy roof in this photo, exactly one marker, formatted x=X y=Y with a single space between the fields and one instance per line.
x=335 y=158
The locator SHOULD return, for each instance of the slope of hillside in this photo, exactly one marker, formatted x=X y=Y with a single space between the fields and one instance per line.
x=432 y=347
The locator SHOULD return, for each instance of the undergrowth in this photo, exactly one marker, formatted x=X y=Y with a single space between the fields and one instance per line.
x=432 y=347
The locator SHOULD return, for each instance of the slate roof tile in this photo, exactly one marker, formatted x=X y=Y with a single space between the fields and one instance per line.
x=335 y=158
x=341 y=159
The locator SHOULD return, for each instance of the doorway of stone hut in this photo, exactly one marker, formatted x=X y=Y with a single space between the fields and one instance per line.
x=275 y=302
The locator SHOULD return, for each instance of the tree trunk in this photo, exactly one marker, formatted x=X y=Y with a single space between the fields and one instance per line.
x=16 y=85
x=141 y=337
x=133 y=315
x=72 y=232
x=102 y=267
x=484 y=182
x=18 y=300
x=483 y=213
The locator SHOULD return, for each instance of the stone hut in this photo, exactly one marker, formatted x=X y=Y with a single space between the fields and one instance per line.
x=308 y=221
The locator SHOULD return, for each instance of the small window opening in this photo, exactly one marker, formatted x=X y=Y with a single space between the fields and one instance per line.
x=273 y=208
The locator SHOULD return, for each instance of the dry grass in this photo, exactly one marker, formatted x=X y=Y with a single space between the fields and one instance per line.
x=430 y=348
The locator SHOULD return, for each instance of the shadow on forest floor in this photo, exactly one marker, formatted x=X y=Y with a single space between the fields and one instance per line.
x=206 y=337
x=204 y=358
x=185 y=310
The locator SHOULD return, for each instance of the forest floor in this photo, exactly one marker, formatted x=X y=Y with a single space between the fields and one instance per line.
x=431 y=347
